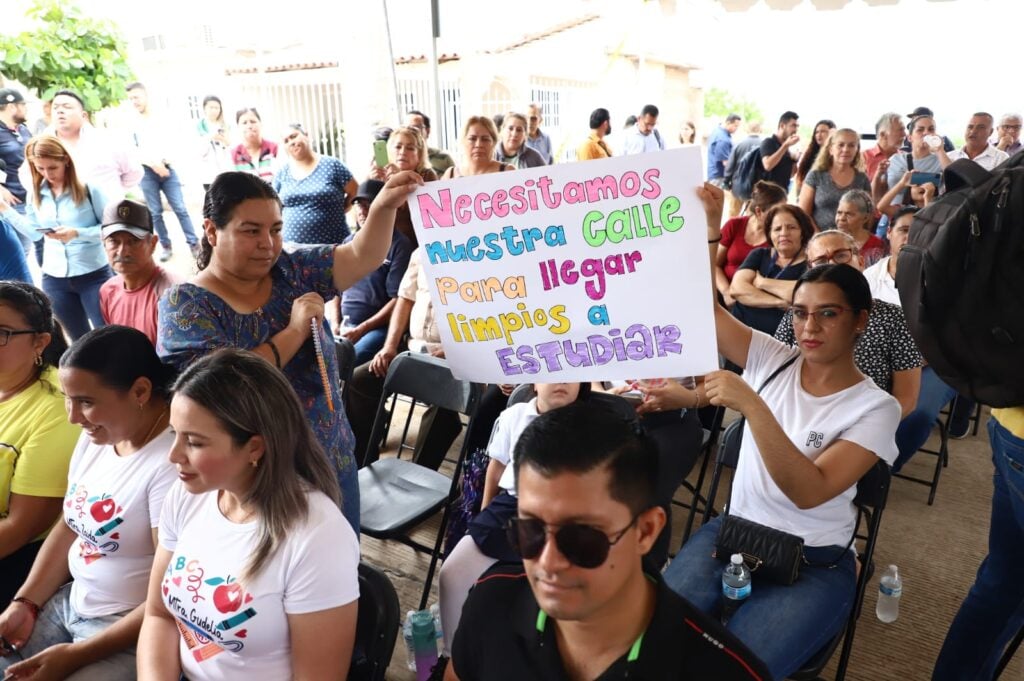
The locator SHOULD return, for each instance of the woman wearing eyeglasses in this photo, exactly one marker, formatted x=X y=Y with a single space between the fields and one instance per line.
x=811 y=433
x=763 y=285
x=479 y=137
x=256 y=573
x=316 y=191
x=36 y=439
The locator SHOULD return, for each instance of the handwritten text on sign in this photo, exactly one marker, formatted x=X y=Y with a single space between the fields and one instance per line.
x=587 y=271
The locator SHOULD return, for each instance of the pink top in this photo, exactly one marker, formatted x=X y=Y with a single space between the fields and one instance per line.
x=735 y=243
x=137 y=308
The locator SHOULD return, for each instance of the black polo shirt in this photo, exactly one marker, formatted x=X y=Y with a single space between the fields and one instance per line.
x=503 y=635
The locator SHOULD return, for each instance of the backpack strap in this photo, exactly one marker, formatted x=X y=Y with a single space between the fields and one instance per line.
x=657 y=136
x=964 y=173
x=907 y=199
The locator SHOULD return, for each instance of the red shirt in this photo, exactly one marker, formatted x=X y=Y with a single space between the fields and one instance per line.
x=137 y=308
x=873 y=157
x=872 y=251
x=735 y=243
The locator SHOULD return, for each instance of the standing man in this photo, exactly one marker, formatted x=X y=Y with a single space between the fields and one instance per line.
x=1009 y=133
x=976 y=146
x=14 y=136
x=644 y=136
x=159 y=175
x=535 y=138
x=776 y=155
x=130 y=297
x=440 y=161
x=582 y=606
x=594 y=146
x=720 y=148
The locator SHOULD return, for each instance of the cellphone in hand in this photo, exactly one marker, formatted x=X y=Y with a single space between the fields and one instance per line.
x=918 y=178
x=380 y=153
x=45 y=230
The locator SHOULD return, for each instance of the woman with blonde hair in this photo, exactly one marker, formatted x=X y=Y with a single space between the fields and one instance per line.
x=479 y=137
x=512 y=147
x=407 y=150
x=257 y=567
x=67 y=213
x=838 y=168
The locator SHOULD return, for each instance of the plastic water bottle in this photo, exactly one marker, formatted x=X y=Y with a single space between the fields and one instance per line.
x=890 y=587
x=424 y=643
x=410 y=656
x=435 y=610
x=735 y=586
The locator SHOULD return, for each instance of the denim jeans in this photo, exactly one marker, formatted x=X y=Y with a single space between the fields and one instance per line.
x=782 y=625
x=76 y=300
x=993 y=611
x=152 y=184
x=371 y=342
x=917 y=425
x=59 y=623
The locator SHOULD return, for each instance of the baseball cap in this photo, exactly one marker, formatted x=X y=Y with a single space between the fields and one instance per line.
x=921 y=111
x=368 y=190
x=10 y=96
x=127 y=216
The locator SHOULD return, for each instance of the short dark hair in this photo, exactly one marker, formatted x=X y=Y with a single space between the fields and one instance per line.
x=649 y=110
x=135 y=85
x=904 y=210
x=425 y=117
x=69 y=93
x=766 y=194
x=599 y=117
x=807 y=229
x=788 y=116
x=248 y=109
x=120 y=355
x=583 y=436
x=849 y=279
x=733 y=117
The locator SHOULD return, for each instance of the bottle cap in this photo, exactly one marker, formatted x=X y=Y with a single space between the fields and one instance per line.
x=736 y=559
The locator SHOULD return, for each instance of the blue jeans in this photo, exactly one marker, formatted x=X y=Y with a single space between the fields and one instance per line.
x=59 y=623
x=369 y=344
x=152 y=184
x=782 y=625
x=917 y=425
x=76 y=300
x=993 y=611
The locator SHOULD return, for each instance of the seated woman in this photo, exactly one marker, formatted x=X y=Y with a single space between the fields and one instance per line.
x=116 y=392
x=763 y=285
x=250 y=293
x=855 y=216
x=485 y=543
x=838 y=168
x=36 y=439
x=810 y=435
x=256 y=573
x=741 y=235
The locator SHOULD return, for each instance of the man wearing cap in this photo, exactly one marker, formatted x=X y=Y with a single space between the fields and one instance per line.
x=440 y=161
x=159 y=175
x=130 y=297
x=366 y=306
x=14 y=136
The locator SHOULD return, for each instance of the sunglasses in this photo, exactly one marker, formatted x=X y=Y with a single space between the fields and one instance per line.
x=582 y=545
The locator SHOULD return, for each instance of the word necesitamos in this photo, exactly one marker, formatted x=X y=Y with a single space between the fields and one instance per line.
x=444 y=210
x=636 y=344
x=483 y=329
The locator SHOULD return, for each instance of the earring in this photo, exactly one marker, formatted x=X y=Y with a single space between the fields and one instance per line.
x=254 y=463
x=39 y=360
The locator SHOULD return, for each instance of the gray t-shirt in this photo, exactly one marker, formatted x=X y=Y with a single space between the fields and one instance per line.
x=898 y=166
x=827 y=195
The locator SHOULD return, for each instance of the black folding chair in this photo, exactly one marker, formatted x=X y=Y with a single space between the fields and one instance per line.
x=376 y=627
x=941 y=459
x=397 y=495
x=711 y=432
x=346 y=362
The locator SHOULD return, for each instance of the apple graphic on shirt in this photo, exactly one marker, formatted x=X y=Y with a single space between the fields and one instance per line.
x=103 y=509
x=227 y=597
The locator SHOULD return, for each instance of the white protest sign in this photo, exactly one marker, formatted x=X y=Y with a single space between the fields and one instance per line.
x=585 y=271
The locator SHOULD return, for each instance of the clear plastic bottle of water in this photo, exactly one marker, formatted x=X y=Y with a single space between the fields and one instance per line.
x=435 y=610
x=890 y=588
x=410 y=654
x=735 y=586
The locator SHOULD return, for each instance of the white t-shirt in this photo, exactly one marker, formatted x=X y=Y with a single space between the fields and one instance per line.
x=113 y=503
x=863 y=414
x=507 y=429
x=883 y=286
x=234 y=631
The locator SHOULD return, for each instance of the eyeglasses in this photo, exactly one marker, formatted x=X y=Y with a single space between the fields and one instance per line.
x=826 y=316
x=5 y=335
x=840 y=256
x=1010 y=127
x=582 y=545
x=482 y=139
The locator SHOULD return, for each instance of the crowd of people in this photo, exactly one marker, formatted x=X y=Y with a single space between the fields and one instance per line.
x=179 y=494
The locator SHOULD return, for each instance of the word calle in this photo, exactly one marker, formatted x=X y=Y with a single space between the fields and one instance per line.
x=634 y=222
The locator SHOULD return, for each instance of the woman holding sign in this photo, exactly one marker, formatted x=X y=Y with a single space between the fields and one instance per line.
x=479 y=137
x=251 y=294
x=814 y=426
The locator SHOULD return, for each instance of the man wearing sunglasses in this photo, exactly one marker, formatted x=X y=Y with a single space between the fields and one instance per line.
x=581 y=605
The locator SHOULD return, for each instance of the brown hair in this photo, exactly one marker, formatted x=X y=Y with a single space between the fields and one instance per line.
x=485 y=121
x=49 y=147
x=807 y=228
x=765 y=195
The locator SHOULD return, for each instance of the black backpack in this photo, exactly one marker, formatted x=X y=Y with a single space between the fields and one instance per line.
x=961 y=281
x=748 y=171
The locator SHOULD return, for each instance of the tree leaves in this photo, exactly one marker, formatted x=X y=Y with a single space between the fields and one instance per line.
x=67 y=50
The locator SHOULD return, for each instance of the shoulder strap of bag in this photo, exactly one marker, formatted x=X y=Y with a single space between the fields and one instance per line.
x=907 y=199
x=657 y=136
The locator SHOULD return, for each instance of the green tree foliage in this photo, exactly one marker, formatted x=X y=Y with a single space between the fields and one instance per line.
x=67 y=50
x=720 y=103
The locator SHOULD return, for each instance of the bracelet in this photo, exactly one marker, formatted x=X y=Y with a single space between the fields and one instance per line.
x=714 y=241
x=31 y=605
x=277 y=355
